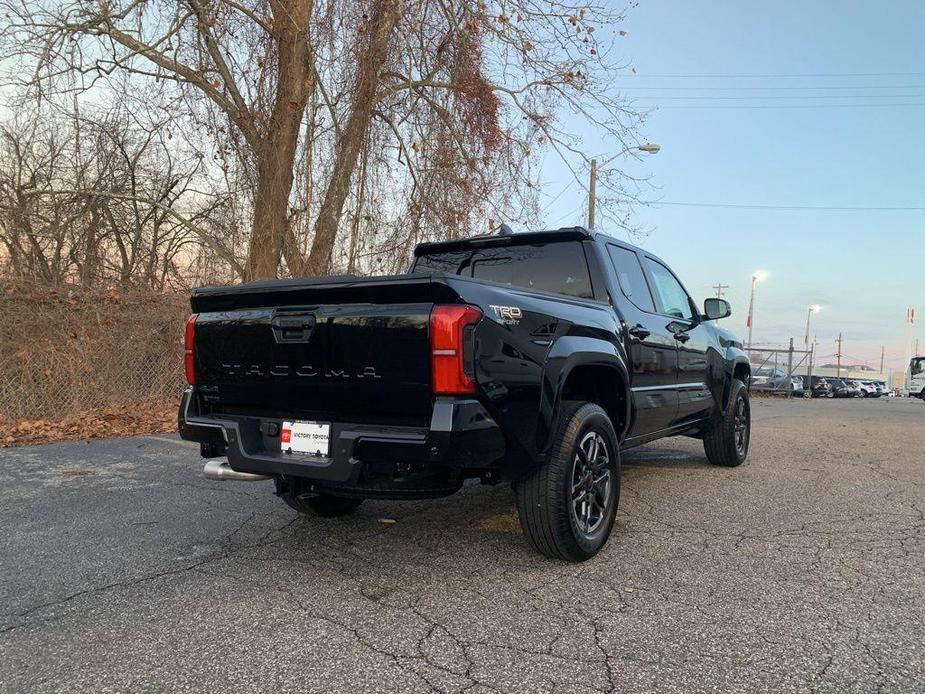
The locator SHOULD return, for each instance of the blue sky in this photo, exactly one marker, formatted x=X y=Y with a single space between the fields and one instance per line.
x=864 y=267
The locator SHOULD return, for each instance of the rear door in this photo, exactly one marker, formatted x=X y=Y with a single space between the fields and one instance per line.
x=692 y=337
x=652 y=347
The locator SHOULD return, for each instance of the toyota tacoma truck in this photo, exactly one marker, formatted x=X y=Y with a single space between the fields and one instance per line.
x=532 y=359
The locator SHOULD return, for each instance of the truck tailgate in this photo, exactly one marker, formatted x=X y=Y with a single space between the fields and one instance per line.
x=331 y=350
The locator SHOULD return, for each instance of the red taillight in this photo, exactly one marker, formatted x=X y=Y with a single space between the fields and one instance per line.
x=450 y=349
x=188 y=337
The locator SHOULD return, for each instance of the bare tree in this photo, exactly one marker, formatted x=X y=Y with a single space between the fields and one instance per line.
x=37 y=231
x=100 y=200
x=417 y=117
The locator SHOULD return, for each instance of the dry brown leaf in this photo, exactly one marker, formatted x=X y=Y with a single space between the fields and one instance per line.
x=152 y=416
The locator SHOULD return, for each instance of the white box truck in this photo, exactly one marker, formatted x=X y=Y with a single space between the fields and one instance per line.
x=914 y=385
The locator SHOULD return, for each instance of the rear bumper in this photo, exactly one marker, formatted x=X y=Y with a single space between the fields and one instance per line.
x=461 y=435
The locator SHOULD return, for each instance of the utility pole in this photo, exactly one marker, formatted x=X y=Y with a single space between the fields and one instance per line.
x=592 y=193
x=648 y=148
x=720 y=289
x=838 y=354
x=882 y=350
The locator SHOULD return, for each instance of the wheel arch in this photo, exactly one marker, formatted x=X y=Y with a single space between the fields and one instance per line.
x=589 y=369
x=740 y=370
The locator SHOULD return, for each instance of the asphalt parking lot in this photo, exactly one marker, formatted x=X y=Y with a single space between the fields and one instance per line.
x=122 y=569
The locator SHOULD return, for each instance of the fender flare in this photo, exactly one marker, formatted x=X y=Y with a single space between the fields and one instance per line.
x=566 y=354
x=733 y=361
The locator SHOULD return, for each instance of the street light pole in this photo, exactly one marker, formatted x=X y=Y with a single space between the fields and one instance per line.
x=756 y=278
x=809 y=315
x=751 y=308
x=838 y=357
x=648 y=148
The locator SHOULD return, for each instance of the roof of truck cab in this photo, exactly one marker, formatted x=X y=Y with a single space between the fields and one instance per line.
x=578 y=233
x=492 y=240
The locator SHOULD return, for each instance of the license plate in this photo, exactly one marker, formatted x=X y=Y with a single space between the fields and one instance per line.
x=305 y=437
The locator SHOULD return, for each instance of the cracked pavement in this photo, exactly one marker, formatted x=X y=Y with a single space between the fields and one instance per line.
x=122 y=569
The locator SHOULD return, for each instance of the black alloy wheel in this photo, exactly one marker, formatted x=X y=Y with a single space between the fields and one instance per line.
x=592 y=484
x=741 y=420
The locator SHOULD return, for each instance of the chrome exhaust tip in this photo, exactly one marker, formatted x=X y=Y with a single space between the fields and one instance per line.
x=219 y=470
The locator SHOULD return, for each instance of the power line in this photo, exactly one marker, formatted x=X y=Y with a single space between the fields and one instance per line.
x=792 y=96
x=561 y=193
x=788 y=76
x=775 y=106
x=789 y=207
x=738 y=88
x=857 y=359
x=574 y=213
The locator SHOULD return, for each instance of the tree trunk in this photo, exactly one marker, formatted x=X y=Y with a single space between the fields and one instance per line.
x=307 y=184
x=358 y=213
x=277 y=148
x=91 y=260
x=384 y=17
x=271 y=201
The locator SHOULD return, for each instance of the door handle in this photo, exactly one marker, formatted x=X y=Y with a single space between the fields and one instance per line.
x=682 y=337
x=639 y=332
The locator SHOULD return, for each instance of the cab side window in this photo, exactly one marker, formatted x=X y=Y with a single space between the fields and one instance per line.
x=631 y=278
x=670 y=295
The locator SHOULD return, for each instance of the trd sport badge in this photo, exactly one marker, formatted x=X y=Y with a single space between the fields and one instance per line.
x=509 y=315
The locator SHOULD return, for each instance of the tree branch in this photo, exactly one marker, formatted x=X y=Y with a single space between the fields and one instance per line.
x=223 y=251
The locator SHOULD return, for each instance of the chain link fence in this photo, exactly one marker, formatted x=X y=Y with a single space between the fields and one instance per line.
x=785 y=372
x=64 y=351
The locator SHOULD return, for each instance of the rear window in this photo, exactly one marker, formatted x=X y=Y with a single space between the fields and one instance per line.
x=629 y=275
x=551 y=267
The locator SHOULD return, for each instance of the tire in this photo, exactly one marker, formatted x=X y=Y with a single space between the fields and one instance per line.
x=322 y=505
x=726 y=440
x=553 y=502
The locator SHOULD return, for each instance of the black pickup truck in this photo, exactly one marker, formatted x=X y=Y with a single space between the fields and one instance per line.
x=531 y=359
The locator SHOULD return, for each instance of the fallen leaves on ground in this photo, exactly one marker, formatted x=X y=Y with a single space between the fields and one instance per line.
x=153 y=416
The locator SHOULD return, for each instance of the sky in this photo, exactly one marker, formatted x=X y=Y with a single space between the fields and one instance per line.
x=864 y=267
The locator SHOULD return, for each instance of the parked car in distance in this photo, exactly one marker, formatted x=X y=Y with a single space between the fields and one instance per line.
x=775 y=380
x=823 y=387
x=820 y=388
x=885 y=390
x=763 y=376
x=842 y=389
x=867 y=389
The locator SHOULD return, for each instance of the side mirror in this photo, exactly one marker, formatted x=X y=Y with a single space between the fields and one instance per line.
x=714 y=309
